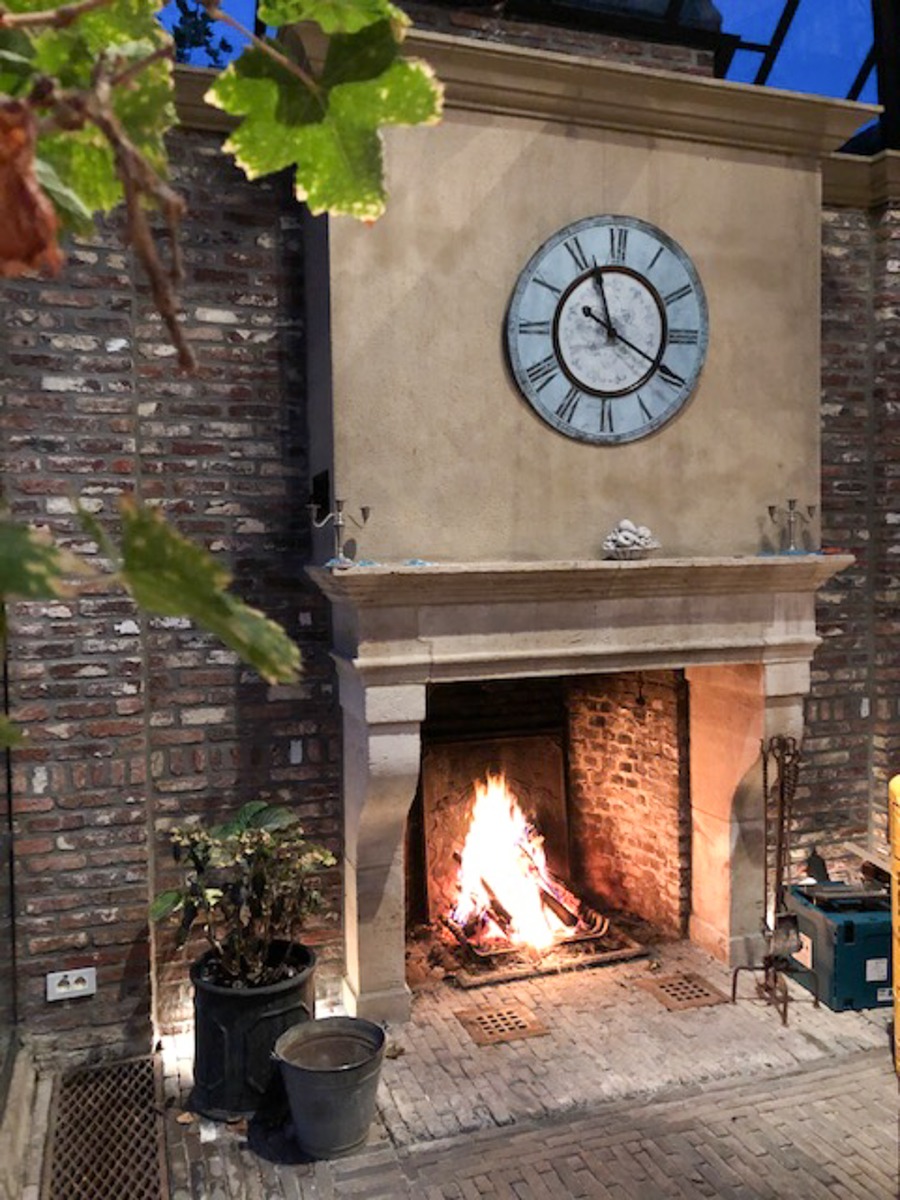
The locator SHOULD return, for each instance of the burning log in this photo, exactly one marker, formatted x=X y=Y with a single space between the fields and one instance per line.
x=559 y=909
x=496 y=911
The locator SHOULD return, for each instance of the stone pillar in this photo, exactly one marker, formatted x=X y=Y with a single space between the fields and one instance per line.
x=382 y=752
x=732 y=710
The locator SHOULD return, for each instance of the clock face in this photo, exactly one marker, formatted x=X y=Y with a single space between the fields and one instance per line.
x=607 y=329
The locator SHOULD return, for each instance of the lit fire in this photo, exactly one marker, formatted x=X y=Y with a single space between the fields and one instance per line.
x=506 y=890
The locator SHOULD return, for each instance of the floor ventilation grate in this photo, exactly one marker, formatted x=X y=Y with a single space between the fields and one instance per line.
x=488 y=1026
x=106 y=1134
x=684 y=990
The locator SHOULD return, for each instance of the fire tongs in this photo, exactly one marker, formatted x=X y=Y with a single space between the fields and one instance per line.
x=782 y=936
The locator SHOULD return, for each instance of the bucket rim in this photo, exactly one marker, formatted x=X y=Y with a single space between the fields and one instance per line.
x=373 y=1034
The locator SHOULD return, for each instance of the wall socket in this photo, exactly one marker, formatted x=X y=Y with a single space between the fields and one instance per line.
x=69 y=985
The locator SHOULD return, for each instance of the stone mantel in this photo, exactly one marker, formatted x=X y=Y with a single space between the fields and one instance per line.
x=397 y=624
x=390 y=585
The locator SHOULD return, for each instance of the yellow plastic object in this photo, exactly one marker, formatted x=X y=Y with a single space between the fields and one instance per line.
x=894 y=828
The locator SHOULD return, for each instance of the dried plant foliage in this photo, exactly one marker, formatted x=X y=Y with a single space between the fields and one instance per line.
x=28 y=221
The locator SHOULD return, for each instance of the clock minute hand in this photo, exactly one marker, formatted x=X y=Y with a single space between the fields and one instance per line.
x=597 y=278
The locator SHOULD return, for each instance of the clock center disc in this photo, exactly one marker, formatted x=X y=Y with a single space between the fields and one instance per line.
x=609 y=331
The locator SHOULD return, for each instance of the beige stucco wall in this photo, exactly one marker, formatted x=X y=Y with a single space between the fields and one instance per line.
x=430 y=431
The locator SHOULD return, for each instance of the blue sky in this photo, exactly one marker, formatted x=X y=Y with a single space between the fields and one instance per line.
x=827 y=42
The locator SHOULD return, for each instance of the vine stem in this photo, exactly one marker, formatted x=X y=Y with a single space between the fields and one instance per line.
x=56 y=18
x=131 y=72
x=294 y=68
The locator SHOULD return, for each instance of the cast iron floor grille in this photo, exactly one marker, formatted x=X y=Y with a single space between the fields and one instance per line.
x=684 y=990
x=106 y=1135
x=490 y=1025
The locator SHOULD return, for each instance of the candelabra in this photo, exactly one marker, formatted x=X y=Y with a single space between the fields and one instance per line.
x=793 y=517
x=338 y=519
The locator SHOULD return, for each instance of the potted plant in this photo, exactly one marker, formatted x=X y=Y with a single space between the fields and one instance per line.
x=248 y=884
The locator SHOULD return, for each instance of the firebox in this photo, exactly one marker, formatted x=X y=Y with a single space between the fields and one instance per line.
x=547 y=807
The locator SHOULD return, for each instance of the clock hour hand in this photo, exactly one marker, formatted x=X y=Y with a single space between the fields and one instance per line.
x=587 y=311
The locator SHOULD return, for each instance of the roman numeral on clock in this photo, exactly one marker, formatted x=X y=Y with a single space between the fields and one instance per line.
x=606 y=415
x=678 y=294
x=618 y=243
x=543 y=371
x=648 y=415
x=540 y=327
x=566 y=410
x=541 y=282
x=578 y=255
x=684 y=337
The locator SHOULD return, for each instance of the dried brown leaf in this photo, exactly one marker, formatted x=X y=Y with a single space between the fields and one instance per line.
x=28 y=223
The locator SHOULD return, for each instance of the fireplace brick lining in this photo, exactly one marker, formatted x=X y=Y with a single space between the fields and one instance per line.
x=629 y=843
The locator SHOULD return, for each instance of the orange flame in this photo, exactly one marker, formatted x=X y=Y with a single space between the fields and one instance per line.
x=502 y=861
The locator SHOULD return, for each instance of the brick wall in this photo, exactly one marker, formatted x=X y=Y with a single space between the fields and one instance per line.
x=135 y=723
x=629 y=820
x=833 y=797
x=486 y=24
x=886 y=511
x=852 y=744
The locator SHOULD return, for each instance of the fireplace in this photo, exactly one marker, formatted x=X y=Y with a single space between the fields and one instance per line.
x=728 y=641
x=546 y=808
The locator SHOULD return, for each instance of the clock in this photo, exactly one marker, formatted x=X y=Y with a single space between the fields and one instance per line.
x=607 y=329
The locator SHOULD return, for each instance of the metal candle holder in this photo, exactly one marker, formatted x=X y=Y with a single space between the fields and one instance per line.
x=339 y=520
x=792 y=516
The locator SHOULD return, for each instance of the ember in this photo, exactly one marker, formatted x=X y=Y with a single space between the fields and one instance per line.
x=508 y=897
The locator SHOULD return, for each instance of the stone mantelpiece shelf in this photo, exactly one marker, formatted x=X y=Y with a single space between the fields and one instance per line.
x=528 y=582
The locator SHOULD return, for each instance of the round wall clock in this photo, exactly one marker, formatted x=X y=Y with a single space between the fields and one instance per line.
x=607 y=329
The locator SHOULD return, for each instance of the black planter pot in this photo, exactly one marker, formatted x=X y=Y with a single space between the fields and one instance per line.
x=235 y=1031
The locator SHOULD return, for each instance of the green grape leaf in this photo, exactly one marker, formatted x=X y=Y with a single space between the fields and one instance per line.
x=169 y=576
x=74 y=213
x=84 y=161
x=331 y=137
x=332 y=16
x=32 y=567
x=10 y=734
x=16 y=62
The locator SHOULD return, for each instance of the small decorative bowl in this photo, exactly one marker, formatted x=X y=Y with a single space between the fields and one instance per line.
x=629 y=553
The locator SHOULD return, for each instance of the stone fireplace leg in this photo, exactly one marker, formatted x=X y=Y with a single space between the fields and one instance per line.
x=382 y=752
x=733 y=710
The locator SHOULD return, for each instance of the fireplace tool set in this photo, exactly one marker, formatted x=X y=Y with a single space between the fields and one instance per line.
x=782 y=932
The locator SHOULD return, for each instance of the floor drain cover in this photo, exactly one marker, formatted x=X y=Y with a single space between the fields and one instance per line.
x=490 y=1025
x=106 y=1134
x=683 y=991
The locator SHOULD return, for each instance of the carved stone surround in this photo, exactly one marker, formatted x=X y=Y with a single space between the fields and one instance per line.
x=743 y=629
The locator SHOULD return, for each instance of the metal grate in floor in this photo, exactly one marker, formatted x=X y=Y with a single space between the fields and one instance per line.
x=106 y=1134
x=488 y=1026
x=684 y=990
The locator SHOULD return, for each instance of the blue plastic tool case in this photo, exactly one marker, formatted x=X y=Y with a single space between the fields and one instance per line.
x=846 y=936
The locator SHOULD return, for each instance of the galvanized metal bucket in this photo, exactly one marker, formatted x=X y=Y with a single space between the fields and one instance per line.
x=330 y=1067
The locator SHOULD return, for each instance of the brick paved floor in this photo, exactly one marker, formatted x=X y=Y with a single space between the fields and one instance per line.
x=621 y=1098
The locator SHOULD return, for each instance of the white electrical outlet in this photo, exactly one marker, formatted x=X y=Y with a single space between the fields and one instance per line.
x=69 y=985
